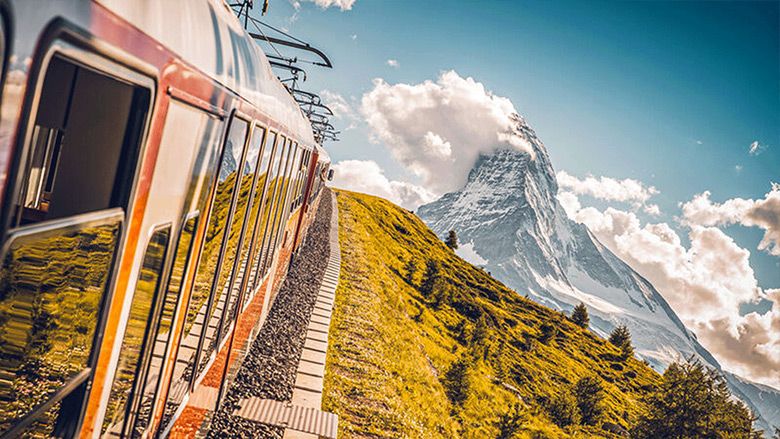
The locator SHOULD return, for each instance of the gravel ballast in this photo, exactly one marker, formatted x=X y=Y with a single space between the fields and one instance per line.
x=269 y=369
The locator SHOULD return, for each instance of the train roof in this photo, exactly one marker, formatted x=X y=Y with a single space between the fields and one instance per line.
x=214 y=42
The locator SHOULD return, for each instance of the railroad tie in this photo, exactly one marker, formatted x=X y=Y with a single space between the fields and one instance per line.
x=285 y=414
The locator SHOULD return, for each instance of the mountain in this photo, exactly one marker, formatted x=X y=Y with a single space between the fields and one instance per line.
x=509 y=220
x=393 y=344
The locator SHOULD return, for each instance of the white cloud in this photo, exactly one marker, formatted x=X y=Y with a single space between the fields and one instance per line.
x=353 y=37
x=392 y=63
x=699 y=142
x=738 y=168
x=366 y=176
x=341 y=108
x=756 y=148
x=606 y=188
x=704 y=282
x=652 y=209
x=344 y=5
x=438 y=129
x=763 y=213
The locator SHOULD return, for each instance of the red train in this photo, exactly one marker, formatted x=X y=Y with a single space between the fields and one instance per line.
x=155 y=180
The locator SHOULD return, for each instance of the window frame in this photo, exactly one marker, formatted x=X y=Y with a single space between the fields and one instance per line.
x=90 y=219
x=66 y=42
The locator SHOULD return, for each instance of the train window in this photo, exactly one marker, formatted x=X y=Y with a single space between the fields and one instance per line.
x=205 y=139
x=269 y=176
x=159 y=344
x=129 y=365
x=53 y=281
x=219 y=238
x=243 y=218
x=259 y=172
x=278 y=184
x=85 y=142
x=281 y=212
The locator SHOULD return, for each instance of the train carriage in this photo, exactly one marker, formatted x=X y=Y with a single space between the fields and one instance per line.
x=156 y=179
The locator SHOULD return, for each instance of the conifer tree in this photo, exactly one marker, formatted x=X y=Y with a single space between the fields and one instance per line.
x=510 y=422
x=563 y=410
x=457 y=381
x=410 y=269
x=589 y=393
x=452 y=240
x=430 y=278
x=693 y=401
x=580 y=316
x=548 y=332
x=621 y=337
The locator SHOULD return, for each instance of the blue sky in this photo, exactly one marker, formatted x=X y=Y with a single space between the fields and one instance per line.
x=668 y=93
x=671 y=94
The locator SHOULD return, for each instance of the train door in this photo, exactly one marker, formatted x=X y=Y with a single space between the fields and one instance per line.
x=64 y=230
x=179 y=192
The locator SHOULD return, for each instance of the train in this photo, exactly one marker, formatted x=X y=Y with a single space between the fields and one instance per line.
x=156 y=180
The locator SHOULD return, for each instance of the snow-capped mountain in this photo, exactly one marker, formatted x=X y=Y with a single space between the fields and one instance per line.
x=508 y=220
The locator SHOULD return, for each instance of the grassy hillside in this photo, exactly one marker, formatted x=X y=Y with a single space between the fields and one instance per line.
x=395 y=351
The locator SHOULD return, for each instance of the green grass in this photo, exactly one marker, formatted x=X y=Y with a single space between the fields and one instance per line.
x=390 y=346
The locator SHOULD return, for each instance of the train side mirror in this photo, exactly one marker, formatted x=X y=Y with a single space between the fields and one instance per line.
x=330 y=174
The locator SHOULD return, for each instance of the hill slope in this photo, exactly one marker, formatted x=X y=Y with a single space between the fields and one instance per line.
x=391 y=347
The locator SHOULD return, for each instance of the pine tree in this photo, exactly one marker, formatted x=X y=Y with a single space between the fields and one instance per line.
x=589 y=393
x=693 y=401
x=548 y=332
x=430 y=278
x=580 y=316
x=563 y=410
x=621 y=337
x=452 y=240
x=410 y=269
x=457 y=381
x=510 y=422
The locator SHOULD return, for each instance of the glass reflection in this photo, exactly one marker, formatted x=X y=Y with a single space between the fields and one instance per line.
x=250 y=180
x=162 y=335
x=215 y=235
x=51 y=285
x=128 y=365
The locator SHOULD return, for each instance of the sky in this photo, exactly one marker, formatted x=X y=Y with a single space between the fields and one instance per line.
x=662 y=120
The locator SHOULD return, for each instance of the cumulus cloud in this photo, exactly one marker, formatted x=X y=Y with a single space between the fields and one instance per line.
x=344 y=5
x=342 y=109
x=763 y=213
x=368 y=177
x=392 y=63
x=705 y=282
x=627 y=190
x=756 y=148
x=438 y=129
